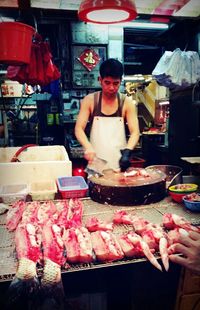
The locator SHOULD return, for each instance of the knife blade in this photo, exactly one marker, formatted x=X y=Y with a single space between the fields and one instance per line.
x=97 y=166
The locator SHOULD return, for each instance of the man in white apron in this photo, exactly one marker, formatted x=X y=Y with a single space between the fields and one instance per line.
x=108 y=111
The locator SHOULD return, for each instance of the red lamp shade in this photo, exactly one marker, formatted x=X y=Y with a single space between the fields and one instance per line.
x=107 y=11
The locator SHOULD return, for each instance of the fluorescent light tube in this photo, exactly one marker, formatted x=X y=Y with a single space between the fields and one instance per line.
x=142 y=25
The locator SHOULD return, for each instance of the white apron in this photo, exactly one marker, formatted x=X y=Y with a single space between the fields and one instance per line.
x=108 y=137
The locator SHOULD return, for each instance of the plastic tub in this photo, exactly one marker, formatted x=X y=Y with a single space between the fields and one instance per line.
x=184 y=188
x=43 y=190
x=178 y=197
x=72 y=187
x=14 y=192
x=192 y=202
x=178 y=191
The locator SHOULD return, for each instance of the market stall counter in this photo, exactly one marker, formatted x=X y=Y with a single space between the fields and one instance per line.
x=121 y=283
x=104 y=212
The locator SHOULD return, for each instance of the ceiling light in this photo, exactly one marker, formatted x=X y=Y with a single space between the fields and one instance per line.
x=107 y=11
x=144 y=25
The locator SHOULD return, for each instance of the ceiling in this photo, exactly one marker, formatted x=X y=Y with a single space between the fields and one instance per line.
x=176 y=8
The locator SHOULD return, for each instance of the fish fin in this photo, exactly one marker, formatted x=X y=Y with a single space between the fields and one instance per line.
x=52 y=291
x=23 y=294
x=53 y=296
x=164 y=252
x=150 y=256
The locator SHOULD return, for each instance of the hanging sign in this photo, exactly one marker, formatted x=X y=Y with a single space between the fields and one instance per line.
x=89 y=59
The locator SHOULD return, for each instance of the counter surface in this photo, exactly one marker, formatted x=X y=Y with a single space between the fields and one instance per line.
x=151 y=212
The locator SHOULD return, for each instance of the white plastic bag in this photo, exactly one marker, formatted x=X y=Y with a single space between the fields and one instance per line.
x=178 y=69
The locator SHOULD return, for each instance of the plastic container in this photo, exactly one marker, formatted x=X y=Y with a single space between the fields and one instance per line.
x=184 y=188
x=43 y=190
x=16 y=41
x=14 y=192
x=178 y=197
x=192 y=205
x=178 y=191
x=72 y=187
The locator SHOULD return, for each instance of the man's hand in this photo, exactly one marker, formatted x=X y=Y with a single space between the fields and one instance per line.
x=89 y=155
x=124 y=161
x=189 y=247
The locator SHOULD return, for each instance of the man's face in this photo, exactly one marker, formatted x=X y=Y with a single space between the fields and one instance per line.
x=110 y=86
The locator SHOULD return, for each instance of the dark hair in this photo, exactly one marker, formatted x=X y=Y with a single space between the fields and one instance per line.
x=111 y=67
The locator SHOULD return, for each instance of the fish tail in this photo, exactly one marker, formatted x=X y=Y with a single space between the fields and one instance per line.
x=23 y=292
x=52 y=291
x=150 y=256
x=164 y=253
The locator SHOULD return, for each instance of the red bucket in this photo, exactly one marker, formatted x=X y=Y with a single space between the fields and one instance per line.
x=16 y=40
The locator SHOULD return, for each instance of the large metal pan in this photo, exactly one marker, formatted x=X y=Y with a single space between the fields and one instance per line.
x=115 y=188
x=173 y=173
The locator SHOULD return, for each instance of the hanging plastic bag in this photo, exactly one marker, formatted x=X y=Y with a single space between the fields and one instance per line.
x=40 y=71
x=177 y=69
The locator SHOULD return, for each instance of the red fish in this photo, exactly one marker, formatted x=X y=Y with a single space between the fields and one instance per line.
x=52 y=291
x=171 y=221
x=24 y=289
x=78 y=245
x=133 y=245
x=106 y=246
x=156 y=238
x=94 y=224
x=14 y=215
x=122 y=217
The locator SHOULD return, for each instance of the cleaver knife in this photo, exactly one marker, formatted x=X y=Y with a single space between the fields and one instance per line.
x=96 y=167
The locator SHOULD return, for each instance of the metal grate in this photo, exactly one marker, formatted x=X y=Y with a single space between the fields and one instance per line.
x=152 y=212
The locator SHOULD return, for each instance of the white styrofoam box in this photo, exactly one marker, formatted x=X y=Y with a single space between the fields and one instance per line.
x=38 y=163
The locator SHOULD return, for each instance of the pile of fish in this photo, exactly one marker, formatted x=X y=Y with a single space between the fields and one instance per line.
x=40 y=230
x=52 y=234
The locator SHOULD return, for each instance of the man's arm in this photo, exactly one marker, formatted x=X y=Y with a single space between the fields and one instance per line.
x=81 y=123
x=130 y=115
x=132 y=121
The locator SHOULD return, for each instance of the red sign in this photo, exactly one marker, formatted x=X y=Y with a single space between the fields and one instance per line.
x=89 y=59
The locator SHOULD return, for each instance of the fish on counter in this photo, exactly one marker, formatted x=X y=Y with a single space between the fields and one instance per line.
x=134 y=246
x=171 y=221
x=14 y=215
x=52 y=291
x=23 y=292
x=78 y=245
x=122 y=217
x=106 y=246
x=157 y=239
x=53 y=234
x=94 y=224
